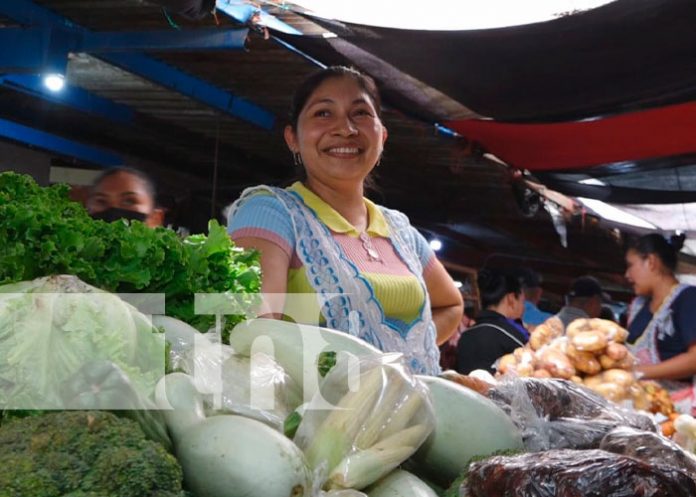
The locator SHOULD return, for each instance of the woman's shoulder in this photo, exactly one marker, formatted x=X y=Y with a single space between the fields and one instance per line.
x=687 y=298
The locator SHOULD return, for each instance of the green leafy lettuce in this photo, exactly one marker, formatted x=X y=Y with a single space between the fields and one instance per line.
x=43 y=232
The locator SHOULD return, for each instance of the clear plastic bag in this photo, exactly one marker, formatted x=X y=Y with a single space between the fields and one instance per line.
x=649 y=447
x=554 y=414
x=256 y=387
x=379 y=416
x=574 y=473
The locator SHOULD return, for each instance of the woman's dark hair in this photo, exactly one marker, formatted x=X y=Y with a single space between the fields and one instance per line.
x=493 y=285
x=657 y=244
x=314 y=80
x=141 y=175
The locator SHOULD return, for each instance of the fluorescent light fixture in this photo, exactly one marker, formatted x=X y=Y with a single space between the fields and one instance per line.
x=54 y=82
x=611 y=213
x=435 y=244
x=445 y=14
x=592 y=181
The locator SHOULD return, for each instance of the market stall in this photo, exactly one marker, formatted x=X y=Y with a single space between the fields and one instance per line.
x=100 y=397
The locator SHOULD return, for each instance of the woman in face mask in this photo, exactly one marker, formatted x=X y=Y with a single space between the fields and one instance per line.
x=124 y=193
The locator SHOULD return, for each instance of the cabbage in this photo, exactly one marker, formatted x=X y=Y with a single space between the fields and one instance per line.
x=53 y=326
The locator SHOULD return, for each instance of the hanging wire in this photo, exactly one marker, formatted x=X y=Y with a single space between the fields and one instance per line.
x=169 y=19
x=213 y=198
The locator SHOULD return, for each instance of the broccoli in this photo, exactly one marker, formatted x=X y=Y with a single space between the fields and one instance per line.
x=84 y=454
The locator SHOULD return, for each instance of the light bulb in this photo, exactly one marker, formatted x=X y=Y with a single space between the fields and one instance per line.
x=54 y=82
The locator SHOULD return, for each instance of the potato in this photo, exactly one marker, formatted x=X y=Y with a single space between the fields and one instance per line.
x=616 y=351
x=556 y=326
x=586 y=362
x=556 y=363
x=619 y=376
x=629 y=362
x=525 y=356
x=577 y=326
x=611 y=391
x=506 y=363
x=525 y=369
x=607 y=362
x=609 y=329
x=541 y=373
x=589 y=341
x=592 y=381
x=541 y=335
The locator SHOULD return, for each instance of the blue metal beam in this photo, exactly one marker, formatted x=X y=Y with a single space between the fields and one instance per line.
x=71 y=96
x=28 y=13
x=241 y=11
x=29 y=47
x=35 y=50
x=158 y=41
x=36 y=138
x=176 y=80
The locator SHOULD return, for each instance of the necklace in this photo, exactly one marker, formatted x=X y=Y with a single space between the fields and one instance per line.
x=369 y=248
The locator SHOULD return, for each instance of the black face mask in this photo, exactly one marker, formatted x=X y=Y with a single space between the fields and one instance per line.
x=114 y=214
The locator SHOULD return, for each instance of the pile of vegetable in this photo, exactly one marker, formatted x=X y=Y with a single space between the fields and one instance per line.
x=85 y=454
x=591 y=352
x=43 y=233
x=53 y=327
x=365 y=416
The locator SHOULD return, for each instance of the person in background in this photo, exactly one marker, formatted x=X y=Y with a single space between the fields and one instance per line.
x=662 y=318
x=322 y=236
x=448 y=350
x=584 y=300
x=124 y=193
x=531 y=285
x=607 y=313
x=495 y=333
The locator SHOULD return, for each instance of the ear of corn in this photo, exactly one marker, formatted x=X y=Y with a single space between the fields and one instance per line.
x=364 y=467
x=372 y=429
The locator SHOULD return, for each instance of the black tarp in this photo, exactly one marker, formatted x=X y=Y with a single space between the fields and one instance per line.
x=626 y=55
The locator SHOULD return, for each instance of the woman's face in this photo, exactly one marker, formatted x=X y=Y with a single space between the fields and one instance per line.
x=124 y=191
x=339 y=134
x=639 y=272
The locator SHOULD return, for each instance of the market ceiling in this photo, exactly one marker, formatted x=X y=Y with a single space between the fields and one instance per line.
x=203 y=95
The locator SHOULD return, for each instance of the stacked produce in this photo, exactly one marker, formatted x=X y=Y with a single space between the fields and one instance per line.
x=85 y=454
x=591 y=352
x=272 y=408
x=44 y=233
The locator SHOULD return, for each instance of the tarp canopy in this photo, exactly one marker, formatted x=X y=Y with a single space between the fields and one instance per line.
x=626 y=55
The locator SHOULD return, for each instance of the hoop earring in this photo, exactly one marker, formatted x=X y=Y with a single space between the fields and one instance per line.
x=297 y=159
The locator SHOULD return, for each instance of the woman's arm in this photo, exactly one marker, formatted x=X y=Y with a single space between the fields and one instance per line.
x=676 y=368
x=274 y=274
x=445 y=300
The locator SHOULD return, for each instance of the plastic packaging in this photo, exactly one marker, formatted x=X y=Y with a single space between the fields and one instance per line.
x=649 y=447
x=574 y=473
x=554 y=414
x=379 y=415
x=685 y=432
x=256 y=387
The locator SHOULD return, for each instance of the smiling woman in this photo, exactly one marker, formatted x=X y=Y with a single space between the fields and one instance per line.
x=322 y=237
